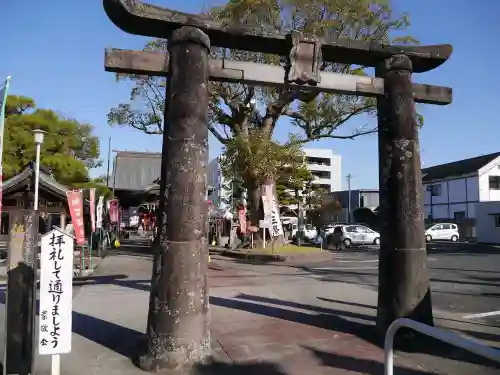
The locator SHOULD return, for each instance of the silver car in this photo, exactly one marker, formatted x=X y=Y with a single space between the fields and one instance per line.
x=359 y=235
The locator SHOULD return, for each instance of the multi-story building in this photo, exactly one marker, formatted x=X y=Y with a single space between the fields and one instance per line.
x=325 y=167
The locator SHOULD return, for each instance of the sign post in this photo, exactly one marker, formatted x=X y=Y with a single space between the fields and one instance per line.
x=56 y=294
x=264 y=224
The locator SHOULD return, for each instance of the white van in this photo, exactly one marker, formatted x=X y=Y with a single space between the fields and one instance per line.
x=442 y=231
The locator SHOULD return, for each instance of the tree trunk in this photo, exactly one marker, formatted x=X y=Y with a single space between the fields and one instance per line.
x=403 y=275
x=178 y=320
x=255 y=193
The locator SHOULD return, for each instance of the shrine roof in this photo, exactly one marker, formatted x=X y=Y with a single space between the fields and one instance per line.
x=135 y=171
x=46 y=180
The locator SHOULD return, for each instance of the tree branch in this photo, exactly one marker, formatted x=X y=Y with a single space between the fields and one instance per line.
x=331 y=136
x=216 y=133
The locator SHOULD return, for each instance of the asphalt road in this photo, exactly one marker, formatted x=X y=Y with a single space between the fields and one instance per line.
x=465 y=278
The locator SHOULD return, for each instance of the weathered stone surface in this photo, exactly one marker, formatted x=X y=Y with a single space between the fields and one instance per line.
x=137 y=17
x=403 y=276
x=178 y=326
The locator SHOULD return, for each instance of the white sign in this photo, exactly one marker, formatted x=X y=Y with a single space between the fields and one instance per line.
x=264 y=224
x=271 y=209
x=56 y=293
x=98 y=214
x=276 y=227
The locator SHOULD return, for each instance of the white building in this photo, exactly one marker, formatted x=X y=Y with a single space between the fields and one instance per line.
x=452 y=190
x=325 y=167
x=488 y=222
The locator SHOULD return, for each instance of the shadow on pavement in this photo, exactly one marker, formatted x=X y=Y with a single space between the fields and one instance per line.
x=460 y=248
x=220 y=368
x=335 y=320
x=359 y=365
x=326 y=319
x=492 y=337
x=121 y=340
x=139 y=248
x=347 y=303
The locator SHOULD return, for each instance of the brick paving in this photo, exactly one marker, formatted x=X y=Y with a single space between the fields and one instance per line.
x=265 y=320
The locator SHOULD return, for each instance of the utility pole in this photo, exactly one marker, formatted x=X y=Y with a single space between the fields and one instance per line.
x=109 y=157
x=349 y=176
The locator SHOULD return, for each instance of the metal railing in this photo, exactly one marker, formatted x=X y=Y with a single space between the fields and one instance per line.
x=449 y=337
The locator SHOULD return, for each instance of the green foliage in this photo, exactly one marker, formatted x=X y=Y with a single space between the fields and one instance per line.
x=231 y=109
x=244 y=118
x=256 y=158
x=69 y=148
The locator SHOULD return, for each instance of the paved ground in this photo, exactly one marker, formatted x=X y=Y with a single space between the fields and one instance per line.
x=267 y=319
x=465 y=277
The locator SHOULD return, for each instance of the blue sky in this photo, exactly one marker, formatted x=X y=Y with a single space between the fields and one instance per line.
x=54 y=50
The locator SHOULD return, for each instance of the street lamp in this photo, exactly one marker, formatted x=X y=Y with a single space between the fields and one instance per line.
x=38 y=136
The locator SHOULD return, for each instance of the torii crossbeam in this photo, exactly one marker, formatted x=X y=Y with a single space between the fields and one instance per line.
x=157 y=64
x=178 y=330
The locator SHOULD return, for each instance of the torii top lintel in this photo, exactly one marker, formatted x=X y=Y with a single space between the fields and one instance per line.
x=137 y=17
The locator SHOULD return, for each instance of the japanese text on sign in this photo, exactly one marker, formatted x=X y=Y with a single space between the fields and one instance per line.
x=56 y=293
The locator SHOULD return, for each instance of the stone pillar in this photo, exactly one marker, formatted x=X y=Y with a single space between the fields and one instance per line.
x=63 y=221
x=403 y=275
x=178 y=321
x=21 y=293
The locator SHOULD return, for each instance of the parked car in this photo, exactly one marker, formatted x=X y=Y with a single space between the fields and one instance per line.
x=442 y=231
x=358 y=235
x=310 y=232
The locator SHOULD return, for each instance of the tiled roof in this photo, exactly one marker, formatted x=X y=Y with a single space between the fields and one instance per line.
x=457 y=168
x=46 y=180
x=135 y=170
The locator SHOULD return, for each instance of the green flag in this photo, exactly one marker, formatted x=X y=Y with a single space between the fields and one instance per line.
x=3 y=101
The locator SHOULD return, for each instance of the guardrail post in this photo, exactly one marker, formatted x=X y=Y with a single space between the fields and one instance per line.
x=449 y=337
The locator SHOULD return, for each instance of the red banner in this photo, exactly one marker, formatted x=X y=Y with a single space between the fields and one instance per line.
x=75 y=205
x=242 y=215
x=92 y=209
x=113 y=211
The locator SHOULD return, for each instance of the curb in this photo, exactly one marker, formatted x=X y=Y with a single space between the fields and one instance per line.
x=263 y=257
x=249 y=256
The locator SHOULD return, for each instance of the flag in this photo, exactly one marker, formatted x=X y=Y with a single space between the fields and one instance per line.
x=92 y=209
x=4 y=90
x=99 y=209
x=75 y=205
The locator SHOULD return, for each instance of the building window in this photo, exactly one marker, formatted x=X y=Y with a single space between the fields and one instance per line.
x=318 y=161
x=497 y=220
x=321 y=174
x=494 y=182
x=459 y=215
x=434 y=189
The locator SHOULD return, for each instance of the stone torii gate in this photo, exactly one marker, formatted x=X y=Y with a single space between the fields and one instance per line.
x=177 y=323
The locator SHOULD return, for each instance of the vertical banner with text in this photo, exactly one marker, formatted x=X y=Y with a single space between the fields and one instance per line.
x=92 y=209
x=242 y=216
x=272 y=211
x=100 y=206
x=75 y=204
x=113 y=211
